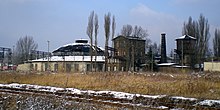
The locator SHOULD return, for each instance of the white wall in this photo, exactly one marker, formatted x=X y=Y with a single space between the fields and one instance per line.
x=211 y=66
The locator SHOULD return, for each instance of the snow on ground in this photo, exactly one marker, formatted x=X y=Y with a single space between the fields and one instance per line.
x=119 y=95
x=183 y=98
x=209 y=102
x=115 y=94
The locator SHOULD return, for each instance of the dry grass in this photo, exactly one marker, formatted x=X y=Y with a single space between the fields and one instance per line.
x=206 y=86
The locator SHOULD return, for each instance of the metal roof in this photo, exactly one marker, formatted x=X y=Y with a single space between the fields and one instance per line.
x=186 y=37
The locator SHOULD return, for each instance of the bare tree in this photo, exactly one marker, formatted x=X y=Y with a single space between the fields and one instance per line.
x=141 y=33
x=200 y=30
x=126 y=30
x=90 y=34
x=138 y=31
x=155 y=48
x=190 y=28
x=113 y=32
x=113 y=28
x=96 y=42
x=107 y=34
x=216 y=43
x=23 y=49
x=203 y=38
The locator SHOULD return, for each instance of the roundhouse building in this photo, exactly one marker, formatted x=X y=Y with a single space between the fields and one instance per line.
x=74 y=57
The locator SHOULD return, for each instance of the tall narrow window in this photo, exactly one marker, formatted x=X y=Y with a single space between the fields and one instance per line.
x=76 y=67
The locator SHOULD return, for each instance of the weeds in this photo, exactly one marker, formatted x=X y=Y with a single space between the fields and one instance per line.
x=206 y=86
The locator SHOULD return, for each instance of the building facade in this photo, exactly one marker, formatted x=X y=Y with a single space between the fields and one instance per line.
x=131 y=51
x=186 y=50
x=67 y=64
x=74 y=57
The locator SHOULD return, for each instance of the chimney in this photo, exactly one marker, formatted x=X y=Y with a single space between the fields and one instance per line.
x=163 y=49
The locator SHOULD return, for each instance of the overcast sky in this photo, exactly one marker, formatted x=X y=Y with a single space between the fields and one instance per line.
x=63 y=21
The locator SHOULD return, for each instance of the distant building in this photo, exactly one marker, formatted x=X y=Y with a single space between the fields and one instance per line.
x=185 y=50
x=128 y=54
x=67 y=64
x=130 y=51
x=72 y=57
x=212 y=66
x=5 y=58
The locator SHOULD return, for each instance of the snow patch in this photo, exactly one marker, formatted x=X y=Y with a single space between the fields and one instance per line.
x=184 y=98
x=210 y=102
x=162 y=107
x=113 y=94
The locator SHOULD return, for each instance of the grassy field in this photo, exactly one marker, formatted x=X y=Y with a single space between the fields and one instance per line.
x=176 y=84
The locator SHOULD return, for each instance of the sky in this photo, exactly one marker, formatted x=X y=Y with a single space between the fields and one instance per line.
x=63 y=21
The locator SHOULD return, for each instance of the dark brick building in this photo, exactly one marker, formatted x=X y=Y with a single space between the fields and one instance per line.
x=186 y=50
x=131 y=50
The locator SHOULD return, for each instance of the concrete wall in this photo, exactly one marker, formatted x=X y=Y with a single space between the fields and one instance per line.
x=212 y=66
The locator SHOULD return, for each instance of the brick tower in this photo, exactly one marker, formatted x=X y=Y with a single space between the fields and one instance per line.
x=163 y=49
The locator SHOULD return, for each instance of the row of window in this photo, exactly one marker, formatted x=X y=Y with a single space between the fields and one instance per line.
x=68 y=67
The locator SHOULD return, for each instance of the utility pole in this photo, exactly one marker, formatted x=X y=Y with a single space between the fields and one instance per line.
x=133 y=65
x=182 y=55
x=13 y=54
x=152 y=62
x=48 y=68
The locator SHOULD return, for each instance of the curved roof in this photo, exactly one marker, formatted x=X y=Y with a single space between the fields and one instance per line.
x=74 y=47
x=80 y=47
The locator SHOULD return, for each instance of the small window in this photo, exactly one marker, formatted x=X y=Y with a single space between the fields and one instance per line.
x=35 y=67
x=117 y=44
x=76 y=67
x=55 y=67
x=46 y=67
x=68 y=67
x=88 y=67
x=115 y=68
x=109 y=68
x=32 y=66
x=100 y=67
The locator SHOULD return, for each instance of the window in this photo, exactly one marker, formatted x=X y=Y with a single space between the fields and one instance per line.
x=35 y=67
x=32 y=66
x=122 y=68
x=117 y=44
x=88 y=67
x=115 y=61
x=68 y=67
x=118 y=53
x=76 y=67
x=55 y=67
x=46 y=66
x=100 y=67
x=115 y=68
x=109 y=68
x=42 y=67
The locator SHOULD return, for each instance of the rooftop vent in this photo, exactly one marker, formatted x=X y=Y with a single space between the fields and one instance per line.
x=82 y=41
